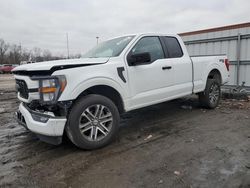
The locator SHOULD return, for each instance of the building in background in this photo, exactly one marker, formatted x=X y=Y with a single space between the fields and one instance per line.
x=232 y=40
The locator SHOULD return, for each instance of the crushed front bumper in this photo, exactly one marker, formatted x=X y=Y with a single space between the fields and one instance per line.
x=47 y=127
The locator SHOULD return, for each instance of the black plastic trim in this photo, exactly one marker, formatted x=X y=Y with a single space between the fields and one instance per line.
x=33 y=90
x=41 y=114
x=120 y=73
x=167 y=68
x=22 y=88
x=53 y=69
x=32 y=73
x=20 y=119
x=164 y=47
x=54 y=140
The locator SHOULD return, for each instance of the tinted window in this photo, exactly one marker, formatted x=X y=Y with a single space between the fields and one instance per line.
x=151 y=45
x=173 y=47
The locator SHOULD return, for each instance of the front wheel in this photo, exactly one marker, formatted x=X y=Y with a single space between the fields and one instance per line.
x=93 y=122
x=210 y=98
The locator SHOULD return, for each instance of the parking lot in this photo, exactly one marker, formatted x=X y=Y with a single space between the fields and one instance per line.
x=173 y=144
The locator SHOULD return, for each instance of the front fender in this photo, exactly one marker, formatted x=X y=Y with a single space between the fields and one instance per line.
x=73 y=93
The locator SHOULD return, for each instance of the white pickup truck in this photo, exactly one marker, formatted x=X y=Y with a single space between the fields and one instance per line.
x=84 y=97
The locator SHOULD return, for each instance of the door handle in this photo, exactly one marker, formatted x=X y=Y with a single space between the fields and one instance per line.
x=167 y=67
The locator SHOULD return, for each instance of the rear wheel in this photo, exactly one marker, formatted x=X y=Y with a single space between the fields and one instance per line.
x=211 y=96
x=93 y=122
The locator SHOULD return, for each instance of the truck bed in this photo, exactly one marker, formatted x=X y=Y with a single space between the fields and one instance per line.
x=203 y=64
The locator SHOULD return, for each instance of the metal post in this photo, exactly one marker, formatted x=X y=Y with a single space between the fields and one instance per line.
x=97 y=40
x=238 y=58
x=20 y=53
x=67 y=44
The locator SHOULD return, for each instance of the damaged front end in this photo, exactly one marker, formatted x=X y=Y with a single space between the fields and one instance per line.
x=40 y=111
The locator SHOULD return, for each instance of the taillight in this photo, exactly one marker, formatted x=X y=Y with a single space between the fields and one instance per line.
x=227 y=64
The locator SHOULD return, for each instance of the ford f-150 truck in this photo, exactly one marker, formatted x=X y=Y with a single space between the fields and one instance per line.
x=83 y=98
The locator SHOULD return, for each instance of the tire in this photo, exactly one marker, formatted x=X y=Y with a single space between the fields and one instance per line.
x=93 y=122
x=210 y=98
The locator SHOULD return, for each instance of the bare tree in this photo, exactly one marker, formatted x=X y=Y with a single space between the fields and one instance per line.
x=47 y=55
x=26 y=55
x=14 y=54
x=37 y=54
x=75 y=56
x=3 y=49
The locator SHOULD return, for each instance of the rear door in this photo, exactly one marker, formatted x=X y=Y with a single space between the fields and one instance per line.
x=149 y=83
x=181 y=64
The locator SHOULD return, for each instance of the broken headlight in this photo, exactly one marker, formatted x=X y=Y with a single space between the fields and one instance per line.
x=50 y=88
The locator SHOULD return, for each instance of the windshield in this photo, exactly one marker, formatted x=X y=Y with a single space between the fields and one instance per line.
x=109 y=48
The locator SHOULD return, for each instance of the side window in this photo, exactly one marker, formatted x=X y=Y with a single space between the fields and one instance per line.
x=173 y=47
x=152 y=45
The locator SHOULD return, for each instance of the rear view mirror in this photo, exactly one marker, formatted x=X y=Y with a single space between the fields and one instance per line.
x=140 y=58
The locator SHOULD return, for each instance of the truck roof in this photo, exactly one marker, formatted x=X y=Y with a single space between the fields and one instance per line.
x=144 y=34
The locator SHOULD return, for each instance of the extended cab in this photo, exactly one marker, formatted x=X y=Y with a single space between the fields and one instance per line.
x=84 y=97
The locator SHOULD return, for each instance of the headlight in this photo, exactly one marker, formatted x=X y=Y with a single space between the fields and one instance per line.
x=50 y=88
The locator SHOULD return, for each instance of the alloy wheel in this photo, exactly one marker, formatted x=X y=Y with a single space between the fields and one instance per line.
x=95 y=122
x=214 y=93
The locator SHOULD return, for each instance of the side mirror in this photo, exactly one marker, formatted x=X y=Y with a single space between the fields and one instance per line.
x=140 y=58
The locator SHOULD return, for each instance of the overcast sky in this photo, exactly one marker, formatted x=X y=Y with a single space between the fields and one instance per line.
x=44 y=23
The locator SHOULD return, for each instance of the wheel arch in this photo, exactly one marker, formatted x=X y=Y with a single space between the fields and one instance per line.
x=96 y=86
x=215 y=74
x=106 y=91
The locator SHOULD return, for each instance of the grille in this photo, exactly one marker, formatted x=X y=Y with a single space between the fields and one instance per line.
x=22 y=88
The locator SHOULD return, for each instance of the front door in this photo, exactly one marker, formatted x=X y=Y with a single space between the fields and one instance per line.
x=151 y=82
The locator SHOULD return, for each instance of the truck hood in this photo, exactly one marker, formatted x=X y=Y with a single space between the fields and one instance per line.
x=60 y=64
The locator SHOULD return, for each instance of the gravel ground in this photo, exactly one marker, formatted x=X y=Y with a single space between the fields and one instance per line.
x=173 y=144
